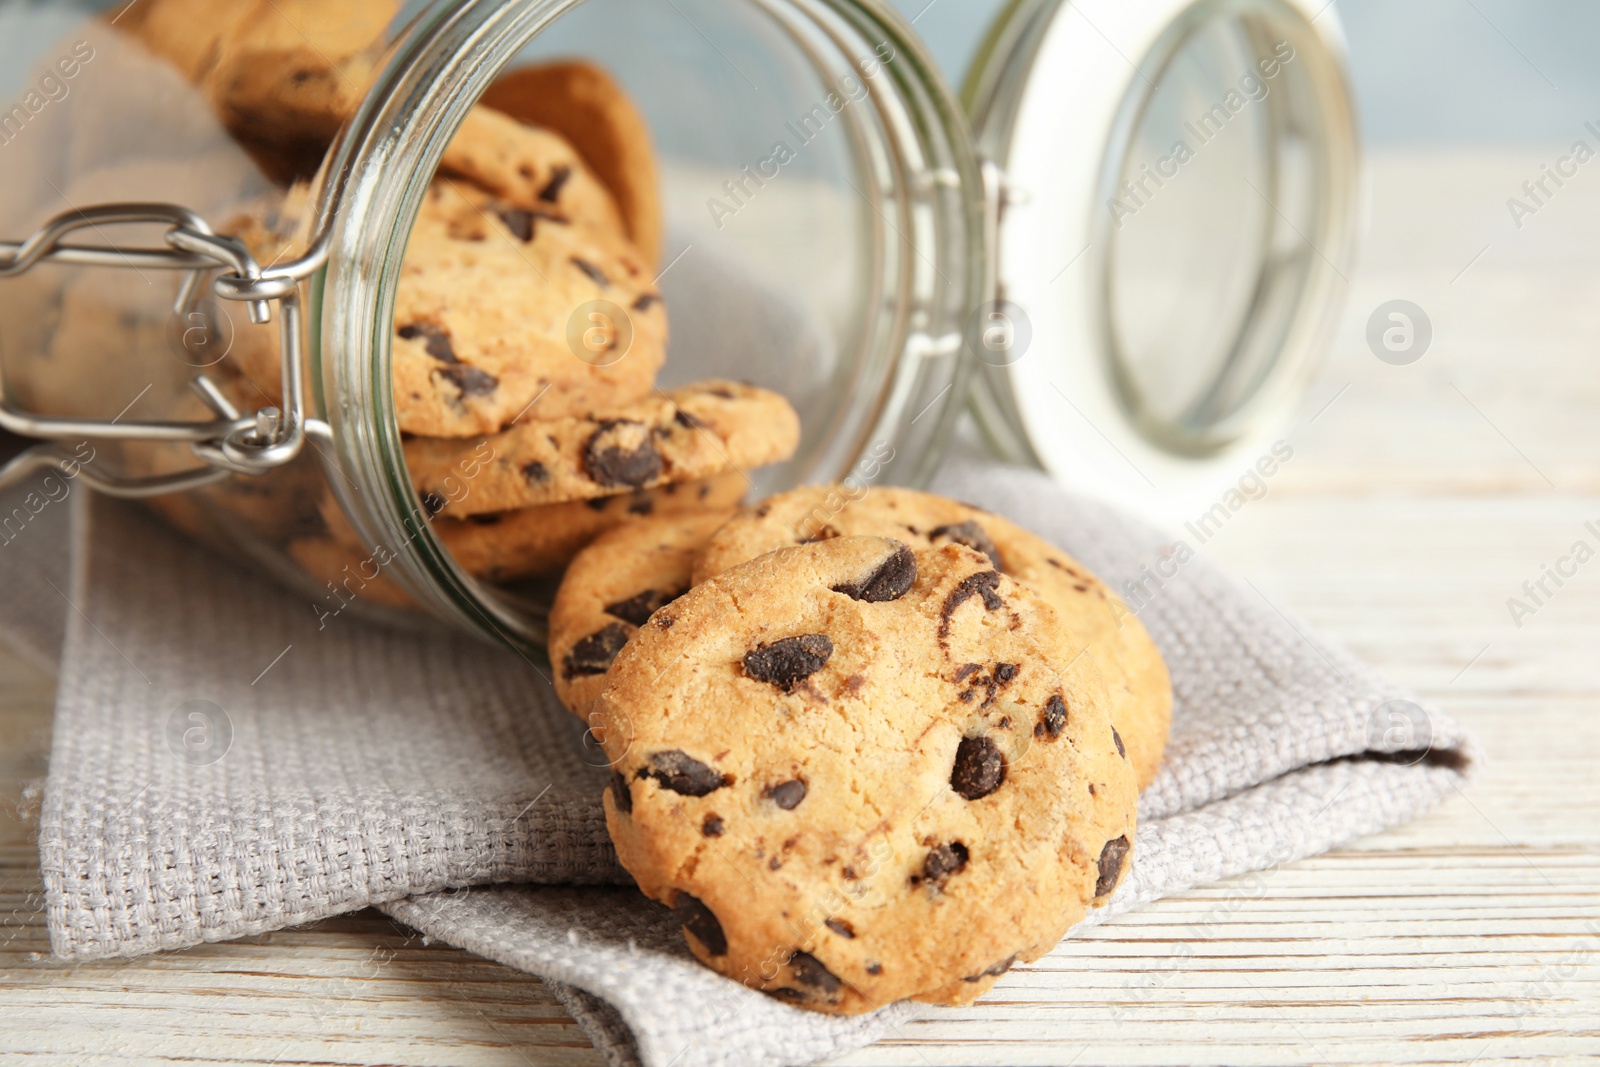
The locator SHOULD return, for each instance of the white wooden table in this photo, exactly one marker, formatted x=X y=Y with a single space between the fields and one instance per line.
x=1417 y=503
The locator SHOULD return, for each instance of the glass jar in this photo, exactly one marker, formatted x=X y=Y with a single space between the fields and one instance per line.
x=835 y=231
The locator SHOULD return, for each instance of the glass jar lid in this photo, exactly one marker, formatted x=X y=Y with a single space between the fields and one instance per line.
x=1177 y=218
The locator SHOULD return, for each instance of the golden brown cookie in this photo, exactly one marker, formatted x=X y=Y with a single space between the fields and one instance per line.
x=860 y=774
x=187 y=33
x=1135 y=674
x=677 y=435
x=282 y=75
x=508 y=304
x=538 y=541
x=585 y=105
x=504 y=313
x=610 y=591
x=535 y=170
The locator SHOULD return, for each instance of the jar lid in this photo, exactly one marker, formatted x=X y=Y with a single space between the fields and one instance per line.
x=1176 y=193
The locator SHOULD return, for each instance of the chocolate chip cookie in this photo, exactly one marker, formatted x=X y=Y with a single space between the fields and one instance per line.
x=585 y=105
x=678 y=435
x=1135 y=674
x=859 y=773
x=282 y=75
x=505 y=312
x=533 y=169
x=538 y=541
x=612 y=588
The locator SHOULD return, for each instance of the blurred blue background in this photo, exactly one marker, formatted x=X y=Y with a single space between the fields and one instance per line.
x=1459 y=71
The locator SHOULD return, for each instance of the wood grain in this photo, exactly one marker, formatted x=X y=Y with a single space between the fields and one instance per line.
x=1417 y=503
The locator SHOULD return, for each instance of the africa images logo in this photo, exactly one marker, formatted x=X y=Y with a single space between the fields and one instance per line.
x=1139 y=189
x=52 y=87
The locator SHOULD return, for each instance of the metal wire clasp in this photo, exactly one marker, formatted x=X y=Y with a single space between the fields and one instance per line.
x=230 y=443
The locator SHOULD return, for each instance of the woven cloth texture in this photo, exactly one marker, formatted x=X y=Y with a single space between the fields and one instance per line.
x=332 y=768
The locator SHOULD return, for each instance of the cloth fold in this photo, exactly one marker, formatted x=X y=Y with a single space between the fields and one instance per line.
x=223 y=766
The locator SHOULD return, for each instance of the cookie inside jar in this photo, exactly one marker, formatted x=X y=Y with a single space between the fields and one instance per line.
x=640 y=284
x=565 y=266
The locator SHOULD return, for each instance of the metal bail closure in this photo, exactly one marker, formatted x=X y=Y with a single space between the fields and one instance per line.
x=232 y=443
x=1174 y=216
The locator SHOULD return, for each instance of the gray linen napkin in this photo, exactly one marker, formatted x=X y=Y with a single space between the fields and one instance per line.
x=223 y=767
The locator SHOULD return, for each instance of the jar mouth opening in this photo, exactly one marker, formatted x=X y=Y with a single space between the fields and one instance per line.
x=1225 y=225
x=882 y=274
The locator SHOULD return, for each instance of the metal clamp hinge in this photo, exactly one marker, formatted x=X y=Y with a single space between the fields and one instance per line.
x=231 y=443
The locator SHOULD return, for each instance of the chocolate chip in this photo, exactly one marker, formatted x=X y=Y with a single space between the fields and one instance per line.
x=1004 y=672
x=979 y=768
x=840 y=927
x=1111 y=858
x=683 y=774
x=982 y=585
x=646 y=301
x=874 y=968
x=790 y=996
x=890 y=581
x=641 y=505
x=809 y=971
x=712 y=826
x=552 y=189
x=622 y=452
x=992 y=972
x=687 y=421
x=638 y=609
x=696 y=918
x=942 y=862
x=593 y=655
x=436 y=340
x=965 y=671
x=1054 y=718
x=488 y=519
x=599 y=503
x=970 y=534
x=469 y=381
x=787 y=795
x=535 y=472
x=432 y=502
x=518 y=221
x=788 y=662
x=1121 y=750
x=621 y=795
x=595 y=274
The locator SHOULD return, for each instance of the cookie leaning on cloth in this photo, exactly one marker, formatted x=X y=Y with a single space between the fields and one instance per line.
x=612 y=588
x=1141 y=692
x=860 y=774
